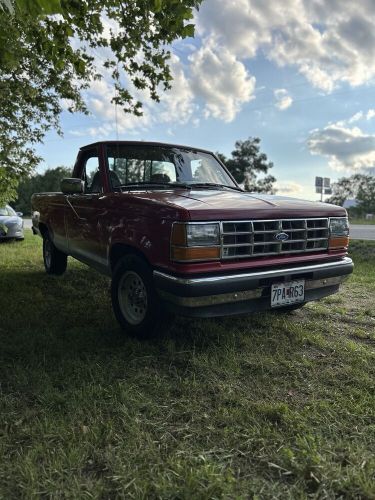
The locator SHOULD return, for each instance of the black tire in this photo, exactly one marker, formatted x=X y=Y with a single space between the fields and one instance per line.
x=54 y=261
x=135 y=302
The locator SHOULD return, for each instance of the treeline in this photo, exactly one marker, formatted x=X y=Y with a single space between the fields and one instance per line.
x=49 y=181
x=358 y=187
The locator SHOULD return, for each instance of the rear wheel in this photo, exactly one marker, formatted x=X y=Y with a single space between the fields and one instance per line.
x=135 y=302
x=55 y=261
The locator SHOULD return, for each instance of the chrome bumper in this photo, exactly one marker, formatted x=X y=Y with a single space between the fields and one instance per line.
x=241 y=289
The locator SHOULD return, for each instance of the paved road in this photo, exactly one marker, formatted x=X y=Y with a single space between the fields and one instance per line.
x=27 y=223
x=357 y=231
x=362 y=231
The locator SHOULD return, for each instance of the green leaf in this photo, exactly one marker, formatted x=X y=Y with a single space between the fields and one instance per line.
x=41 y=67
x=188 y=30
x=158 y=4
x=39 y=7
x=50 y=6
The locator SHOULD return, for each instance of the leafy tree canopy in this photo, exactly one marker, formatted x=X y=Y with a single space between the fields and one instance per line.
x=47 y=182
x=246 y=163
x=46 y=58
x=358 y=186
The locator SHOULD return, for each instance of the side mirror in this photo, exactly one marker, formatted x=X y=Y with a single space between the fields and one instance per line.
x=20 y=214
x=72 y=186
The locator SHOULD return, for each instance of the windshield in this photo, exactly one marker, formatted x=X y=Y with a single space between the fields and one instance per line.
x=7 y=211
x=161 y=165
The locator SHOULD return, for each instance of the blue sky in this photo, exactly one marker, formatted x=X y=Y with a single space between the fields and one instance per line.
x=300 y=75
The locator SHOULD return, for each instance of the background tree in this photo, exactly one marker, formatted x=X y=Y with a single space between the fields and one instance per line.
x=359 y=187
x=40 y=183
x=48 y=59
x=366 y=195
x=246 y=163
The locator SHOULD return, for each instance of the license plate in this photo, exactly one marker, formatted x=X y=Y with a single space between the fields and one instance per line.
x=283 y=294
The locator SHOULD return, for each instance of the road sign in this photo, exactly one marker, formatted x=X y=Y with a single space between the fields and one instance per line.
x=323 y=186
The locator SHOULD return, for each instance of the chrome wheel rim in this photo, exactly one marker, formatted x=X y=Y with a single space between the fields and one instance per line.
x=47 y=253
x=132 y=297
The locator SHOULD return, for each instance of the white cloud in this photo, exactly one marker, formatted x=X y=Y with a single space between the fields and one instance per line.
x=359 y=116
x=329 y=42
x=283 y=99
x=175 y=106
x=289 y=188
x=218 y=86
x=356 y=117
x=221 y=81
x=346 y=148
x=99 y=99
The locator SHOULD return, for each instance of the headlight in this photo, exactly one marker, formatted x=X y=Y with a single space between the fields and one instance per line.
x=202 y=235
x=193 y=242
x=339 y=226
x=338 y=232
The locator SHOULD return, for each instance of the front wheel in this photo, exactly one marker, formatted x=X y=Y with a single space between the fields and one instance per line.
x=54 y=261
x=135 y=302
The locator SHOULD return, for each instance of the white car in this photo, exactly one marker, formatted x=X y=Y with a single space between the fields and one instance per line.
x=11 y=224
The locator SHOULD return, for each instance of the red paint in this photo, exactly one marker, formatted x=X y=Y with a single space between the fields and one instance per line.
x=88 y=226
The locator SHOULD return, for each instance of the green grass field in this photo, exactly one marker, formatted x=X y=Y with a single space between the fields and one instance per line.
x=263 y=406
x=367 y=222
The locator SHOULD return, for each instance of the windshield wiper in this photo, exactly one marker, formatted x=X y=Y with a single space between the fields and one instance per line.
x=185 y=185
x=213 y=185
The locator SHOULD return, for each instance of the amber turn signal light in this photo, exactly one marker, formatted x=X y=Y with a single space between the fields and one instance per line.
x=338 y=242
x=178 y=235
x=196 y=253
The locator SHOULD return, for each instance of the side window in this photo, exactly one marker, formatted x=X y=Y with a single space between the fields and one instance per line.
x=91 y=176
x=128 y=170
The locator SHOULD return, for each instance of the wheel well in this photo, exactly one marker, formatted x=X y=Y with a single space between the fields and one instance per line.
x=119 y=250
x=43 y=229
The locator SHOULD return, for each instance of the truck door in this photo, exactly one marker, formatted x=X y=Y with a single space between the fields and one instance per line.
x=85 y=212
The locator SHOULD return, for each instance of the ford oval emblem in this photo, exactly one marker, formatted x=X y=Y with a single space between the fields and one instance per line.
x=282 y=236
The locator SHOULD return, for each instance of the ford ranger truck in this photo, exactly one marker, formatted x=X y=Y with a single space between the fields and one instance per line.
x=174 y=231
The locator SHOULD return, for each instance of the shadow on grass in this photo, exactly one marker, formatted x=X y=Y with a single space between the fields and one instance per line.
x=48 y=322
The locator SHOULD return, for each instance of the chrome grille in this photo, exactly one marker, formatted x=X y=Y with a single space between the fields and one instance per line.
x=241 y=239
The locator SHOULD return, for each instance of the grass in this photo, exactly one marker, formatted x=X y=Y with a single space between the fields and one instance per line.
x=264 y=406
x=367 y=222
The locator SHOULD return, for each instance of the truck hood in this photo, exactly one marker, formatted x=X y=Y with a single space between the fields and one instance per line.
x=214 y=204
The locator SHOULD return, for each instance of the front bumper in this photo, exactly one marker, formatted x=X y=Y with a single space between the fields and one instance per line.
x=231 y=294
x=11 y=232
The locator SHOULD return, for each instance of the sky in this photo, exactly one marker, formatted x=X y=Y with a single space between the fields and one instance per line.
x=299 y=74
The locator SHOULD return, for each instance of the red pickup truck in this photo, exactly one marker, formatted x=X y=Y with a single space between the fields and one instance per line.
x=174 y=231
